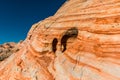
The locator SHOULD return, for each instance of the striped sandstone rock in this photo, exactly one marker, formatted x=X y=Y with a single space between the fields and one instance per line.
x=80 y=42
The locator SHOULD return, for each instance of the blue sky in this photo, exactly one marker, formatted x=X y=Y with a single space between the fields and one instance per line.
x=17 y=16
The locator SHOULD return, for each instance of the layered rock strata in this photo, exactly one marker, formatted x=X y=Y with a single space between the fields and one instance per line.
x=80 y=42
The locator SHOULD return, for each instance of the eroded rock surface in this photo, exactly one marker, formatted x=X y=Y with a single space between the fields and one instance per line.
x=7 y=49
x=80 y=42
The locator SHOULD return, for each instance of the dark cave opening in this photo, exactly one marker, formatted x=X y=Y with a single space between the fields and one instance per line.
x=54 y=44
x=70 y=33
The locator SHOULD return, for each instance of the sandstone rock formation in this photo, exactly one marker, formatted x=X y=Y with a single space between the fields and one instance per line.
x=80 y=42
x=7 y=49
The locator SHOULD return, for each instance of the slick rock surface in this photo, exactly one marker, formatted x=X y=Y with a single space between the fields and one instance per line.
x=80 y=42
